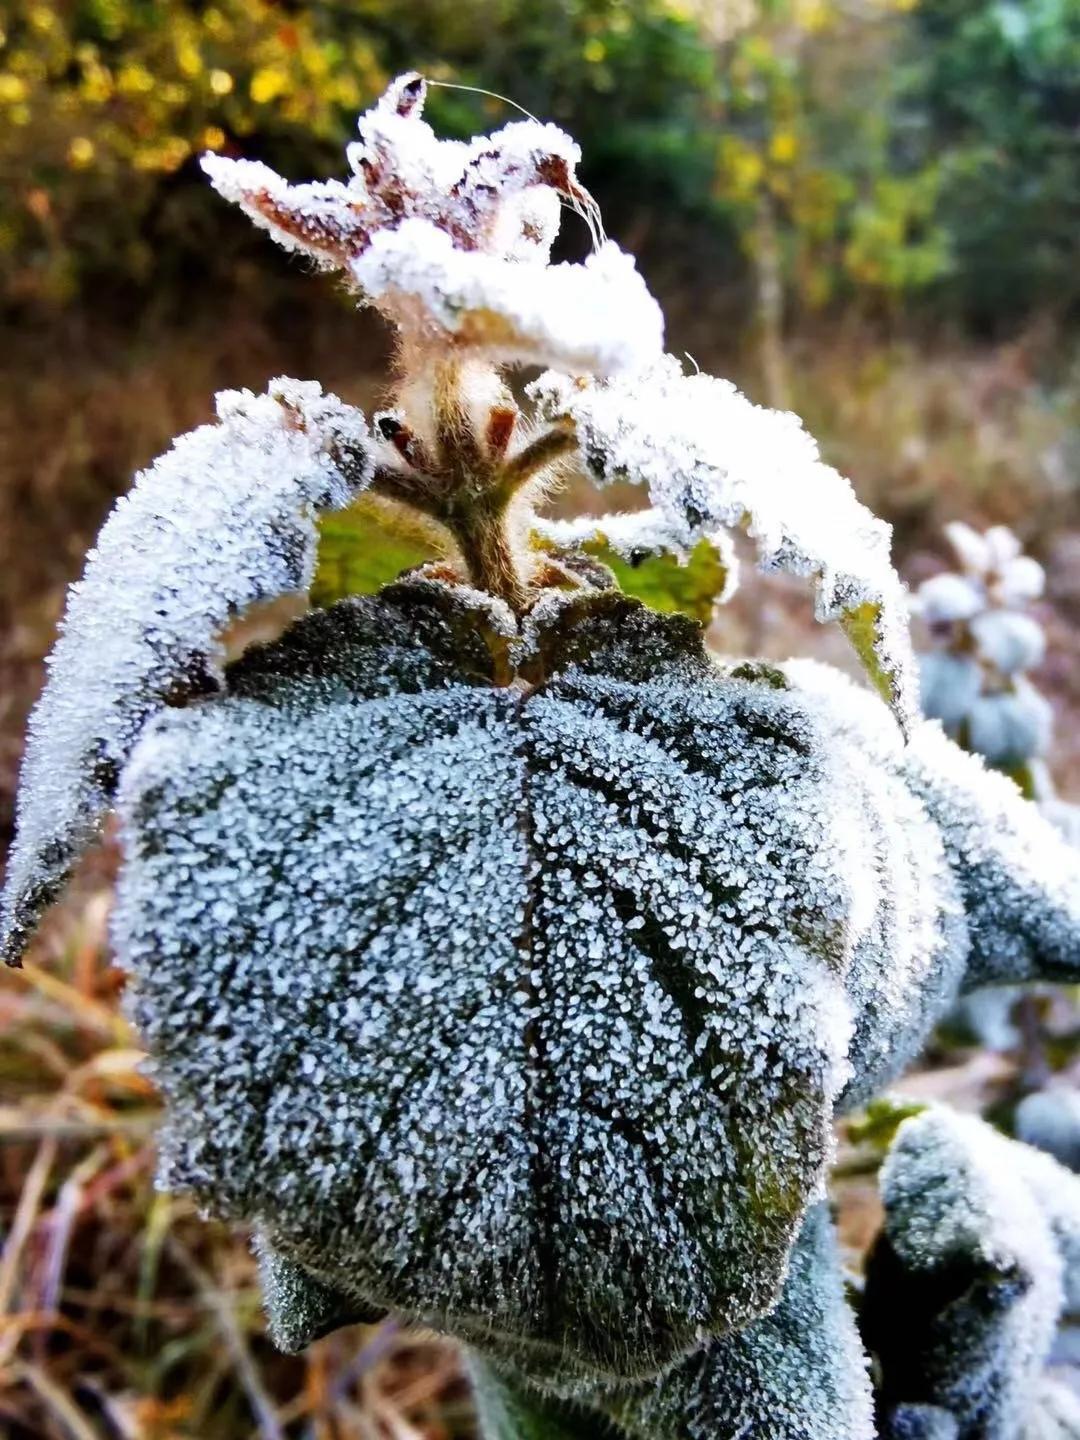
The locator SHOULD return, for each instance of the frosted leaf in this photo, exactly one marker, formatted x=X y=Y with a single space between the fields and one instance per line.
x=797 y=1374
x=299 y=1307
x=1020 y=879
x=451 y=240
x=981 y=1255
x=710 y=923
x=223 y=519
x=710 y=459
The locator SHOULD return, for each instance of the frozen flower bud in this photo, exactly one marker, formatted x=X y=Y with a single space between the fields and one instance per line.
x=1010 y=727
x=451 y=240
x=950 y=686
x=1007 y=641
x=946 y=598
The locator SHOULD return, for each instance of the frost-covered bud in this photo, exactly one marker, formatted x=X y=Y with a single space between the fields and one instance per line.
x=451 y=240
x=1007 y=641
x=1050 y=1120
x=980 y=1255
x=1010 y=727
x=950 y=686
x=943 y=599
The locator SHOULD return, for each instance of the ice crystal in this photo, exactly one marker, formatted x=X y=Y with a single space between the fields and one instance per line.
x=453 y=238
x=981 y=1256
x=710 y=459
x=223 y=519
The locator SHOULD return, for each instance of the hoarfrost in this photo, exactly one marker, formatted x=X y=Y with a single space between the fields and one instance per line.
x=981 y=1254
x=223 y=519
x=711 y=459
x=1018 y=878
x=452 y=239
x=524 y=1010
x=797 y=1374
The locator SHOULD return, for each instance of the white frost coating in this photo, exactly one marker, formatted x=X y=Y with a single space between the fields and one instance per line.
x=711 y=459
x=1018 y=878
x=451 y=240
x=597 y=316
x=986 y=1235
x=715 y=923
x=223 y=519
x=798 y=1374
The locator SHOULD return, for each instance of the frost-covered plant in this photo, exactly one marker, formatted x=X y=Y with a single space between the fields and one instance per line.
x=980 y=1254
x=974 y=681
x=504 y=956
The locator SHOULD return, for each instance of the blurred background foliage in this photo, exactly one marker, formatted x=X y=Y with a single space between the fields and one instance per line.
x=864 y=209
x=878 y=152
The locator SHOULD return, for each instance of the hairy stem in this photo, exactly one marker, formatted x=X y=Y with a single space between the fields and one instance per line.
x=482 y=537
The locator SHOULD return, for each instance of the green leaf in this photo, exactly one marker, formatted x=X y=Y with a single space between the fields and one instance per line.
x=694 y=588
x=879 y=1122
x=863 y=627
x=363 y=548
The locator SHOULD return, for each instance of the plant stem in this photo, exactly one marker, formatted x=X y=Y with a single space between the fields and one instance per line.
x=484 y=542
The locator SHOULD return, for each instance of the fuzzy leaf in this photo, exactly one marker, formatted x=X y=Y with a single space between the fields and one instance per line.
x=524 y=1010
x=223 y=519
x=511 y=1410
x=1017 y=876
x=797 y=1374
x=981 y=1255
x=711 y=459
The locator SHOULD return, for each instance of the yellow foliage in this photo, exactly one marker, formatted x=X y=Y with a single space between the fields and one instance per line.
x=783 y=147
